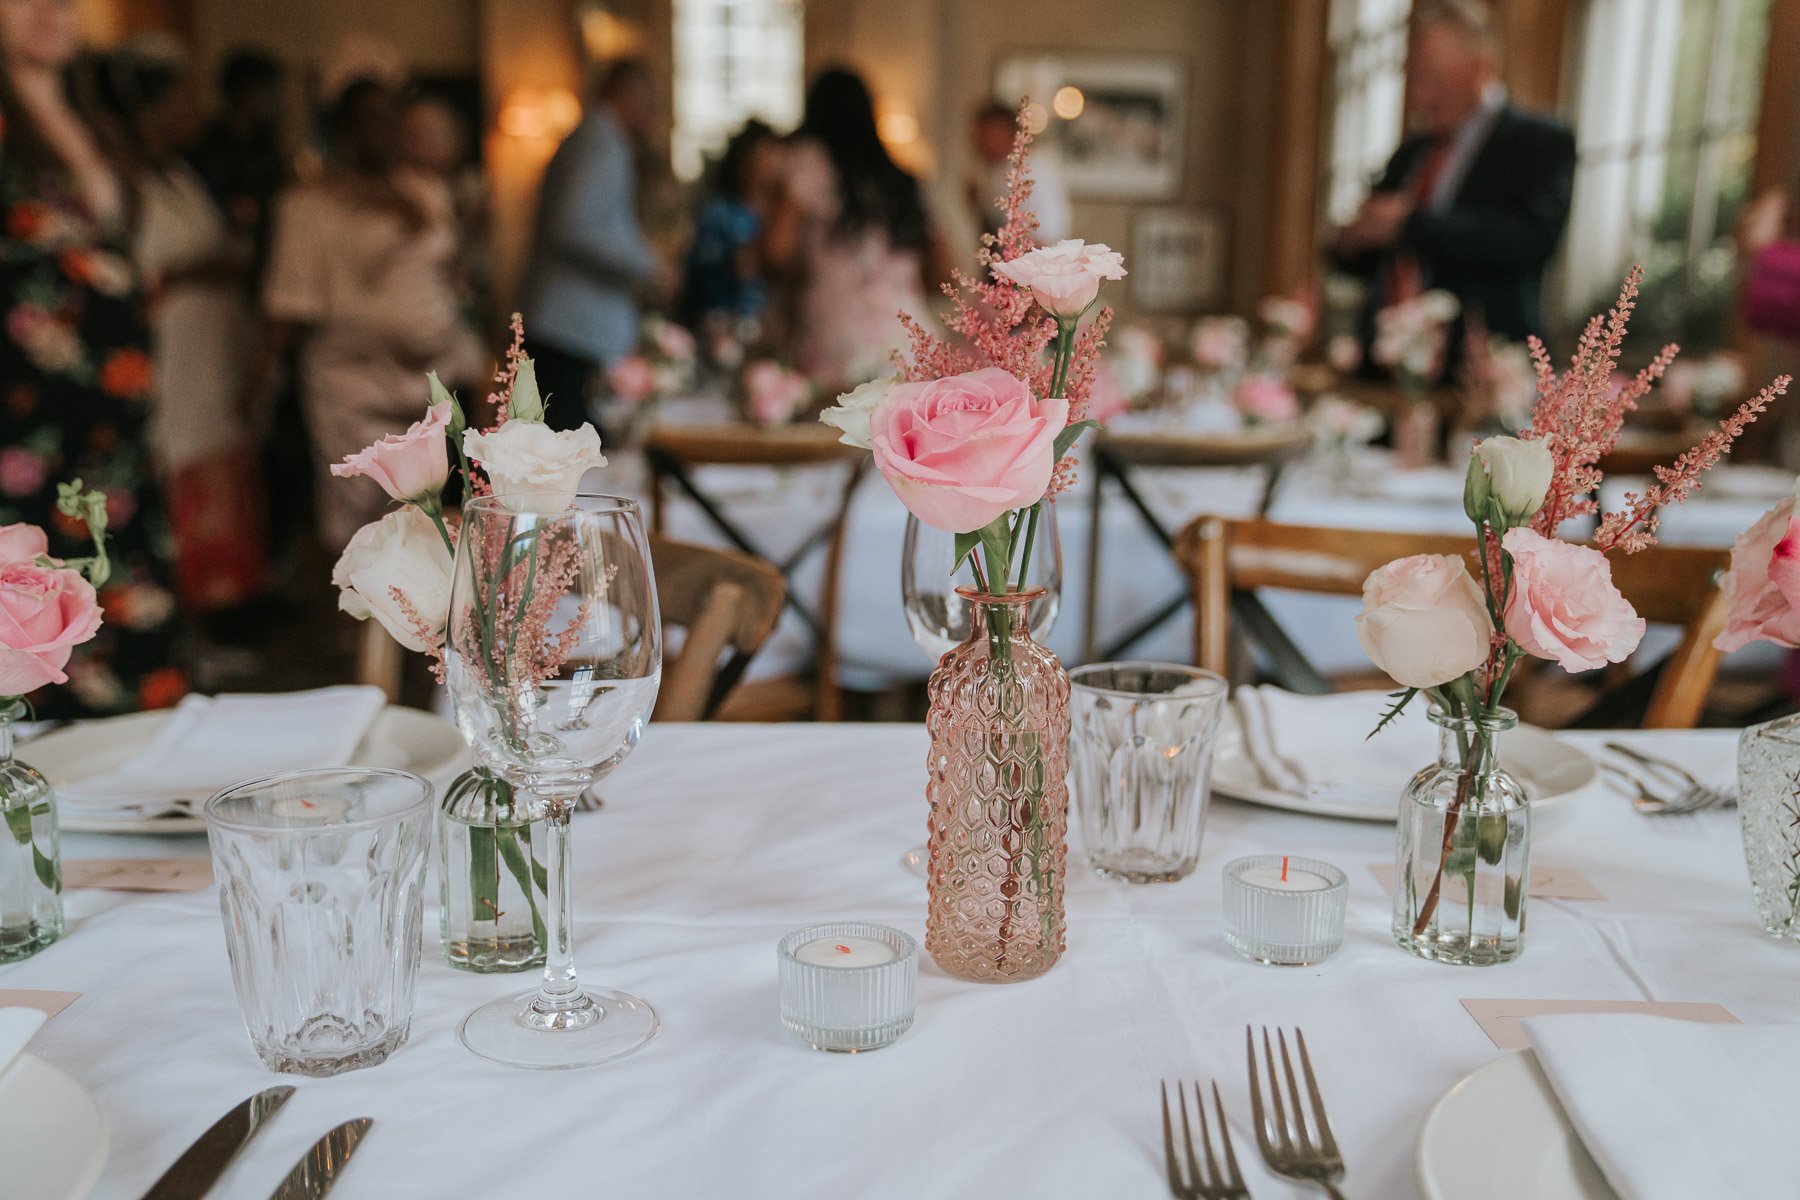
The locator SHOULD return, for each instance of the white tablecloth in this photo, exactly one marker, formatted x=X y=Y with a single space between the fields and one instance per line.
x=716 y=840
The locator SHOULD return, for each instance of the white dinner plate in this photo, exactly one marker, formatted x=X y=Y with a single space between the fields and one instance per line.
x=52 y=1133
x=1550 y=768
x=1501 y=1134
x=405 y=738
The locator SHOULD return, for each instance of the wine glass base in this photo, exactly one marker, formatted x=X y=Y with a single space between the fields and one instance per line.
x=917 y=862
x=621 y=1024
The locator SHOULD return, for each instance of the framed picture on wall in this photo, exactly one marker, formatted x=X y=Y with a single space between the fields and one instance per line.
x=1117 y=122
x=1178 y=260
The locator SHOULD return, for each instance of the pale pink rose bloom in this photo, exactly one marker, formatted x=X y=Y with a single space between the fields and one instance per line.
x=1762 y=588
x=408 y=466
x=1424 y=621
x=22 y=543
x=963 y=450
x=1266 y=398
x=1107 y=398
x=45 y=612
x=632 y=378
x=1065 y=278
x=1564 y=606
x=773 y=394
x=397 y=570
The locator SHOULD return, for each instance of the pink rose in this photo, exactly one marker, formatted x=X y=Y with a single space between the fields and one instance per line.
x=1266 y=398
x=631 y=378
x=1564 y=606
x=22 y=543
x=1424 y=620
x=1763 y=586
x=773 y=394
x=409 y=466
x=45 y=612
x=1065 y=278
x=963 y=450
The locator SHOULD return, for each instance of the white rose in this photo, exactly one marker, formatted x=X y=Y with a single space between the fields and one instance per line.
x=523 y=457
x=1517 y=474
x=403 y=552
x=1424 y=620
x=853 y=409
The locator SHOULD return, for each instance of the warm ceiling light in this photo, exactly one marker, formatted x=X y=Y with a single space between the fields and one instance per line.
x=1068 y=102
x=899 y=128
x=606 y=36
x=1035 y=118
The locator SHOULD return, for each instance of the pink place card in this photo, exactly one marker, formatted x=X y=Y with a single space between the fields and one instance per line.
x=48 y=1003
x=1499 y=1019
x=138 y=874
x=1547 y=882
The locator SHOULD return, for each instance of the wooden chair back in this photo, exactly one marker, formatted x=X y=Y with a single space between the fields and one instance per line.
x=726 y=604
x=1673 y=585
x=675 y=452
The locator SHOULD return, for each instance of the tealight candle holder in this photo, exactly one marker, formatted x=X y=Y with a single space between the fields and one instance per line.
x=1284 y=910
x=848 y=985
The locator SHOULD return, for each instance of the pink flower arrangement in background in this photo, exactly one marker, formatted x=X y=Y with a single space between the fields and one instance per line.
x=1108 y=399
x=1265 y=399
x=631 y=379
x=1220 y=343
x=774 y=395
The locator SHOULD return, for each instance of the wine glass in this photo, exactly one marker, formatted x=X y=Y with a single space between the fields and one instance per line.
x=938 y=617
x=553 y=661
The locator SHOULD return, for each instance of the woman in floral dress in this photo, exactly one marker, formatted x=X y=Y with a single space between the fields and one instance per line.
x=75 y=370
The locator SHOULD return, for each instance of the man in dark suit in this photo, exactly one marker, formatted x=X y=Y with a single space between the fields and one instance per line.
x=1475 y=200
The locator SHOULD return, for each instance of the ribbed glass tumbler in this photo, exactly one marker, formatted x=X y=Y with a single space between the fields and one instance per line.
x=1283 y=910
x=849 y=985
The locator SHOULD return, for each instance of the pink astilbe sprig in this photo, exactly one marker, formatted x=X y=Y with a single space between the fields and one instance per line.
x=500 y=399
x=998 y=323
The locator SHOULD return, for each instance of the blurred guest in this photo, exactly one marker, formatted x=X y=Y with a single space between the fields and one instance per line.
x=361 y=273
x=850 y=232
x=193 y=270
x=239 y=153
x=75 y=363
x=590 y=265
x=435 y=142
x=724 y=281
x=1475 y=200
x=991 y=133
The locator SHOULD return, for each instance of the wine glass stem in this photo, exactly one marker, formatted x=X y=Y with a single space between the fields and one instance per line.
x=560 y=992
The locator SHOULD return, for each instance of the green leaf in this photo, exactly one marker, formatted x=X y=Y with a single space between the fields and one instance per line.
x=1067 y=437
x=965 y=542
x=443 y=395
x=526 y=404
x=996 y=543
x=1401 y=700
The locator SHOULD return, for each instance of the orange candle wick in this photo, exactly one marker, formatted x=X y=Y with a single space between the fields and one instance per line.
x=841 y=948
x=1284 y=859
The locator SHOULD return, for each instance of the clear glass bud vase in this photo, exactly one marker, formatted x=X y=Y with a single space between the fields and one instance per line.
x=31 y=911
x=1769 y=812
x=1464 y=849
x=998 y=786
x=491 y=877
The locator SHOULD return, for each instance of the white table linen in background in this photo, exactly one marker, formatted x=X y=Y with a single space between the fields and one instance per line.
x=717 y=840
x=1674 y=1110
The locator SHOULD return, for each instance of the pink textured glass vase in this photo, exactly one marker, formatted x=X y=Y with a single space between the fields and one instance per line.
x=999 y=723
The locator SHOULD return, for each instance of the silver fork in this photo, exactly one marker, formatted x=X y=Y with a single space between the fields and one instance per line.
x=1198 y=1184
x=1690 y=795
x=1290 y=1148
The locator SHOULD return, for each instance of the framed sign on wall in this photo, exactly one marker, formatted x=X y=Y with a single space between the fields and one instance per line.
x=1116 y=122
x=1178 y=260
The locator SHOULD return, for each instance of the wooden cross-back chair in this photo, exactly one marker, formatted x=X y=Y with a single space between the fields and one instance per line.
x=675 y=454
x=1115 y=455
x=726 y=603
x=1227 y=560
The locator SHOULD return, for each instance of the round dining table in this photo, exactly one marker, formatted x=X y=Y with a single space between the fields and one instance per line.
x=715 y=840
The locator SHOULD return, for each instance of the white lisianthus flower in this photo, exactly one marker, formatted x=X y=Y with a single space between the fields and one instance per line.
x=1514 y=472
x=525 y=458
x=402 y=553
x=851 y=413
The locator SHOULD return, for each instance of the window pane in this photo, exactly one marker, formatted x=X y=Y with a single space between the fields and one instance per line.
x=734 y=59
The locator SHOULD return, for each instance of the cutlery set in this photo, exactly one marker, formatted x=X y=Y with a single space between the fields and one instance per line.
x=1294 y=1145
x=1658 y=787
x=201 y=1165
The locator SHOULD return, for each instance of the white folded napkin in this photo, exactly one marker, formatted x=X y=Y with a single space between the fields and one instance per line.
x=212 y=742
x=17 y=1024
x=1674 y=1110
x=1319 y=746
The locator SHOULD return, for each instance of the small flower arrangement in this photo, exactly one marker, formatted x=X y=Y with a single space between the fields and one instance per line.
x=773 y=394
x=49 y=606
x=1412 y=338
x=1435 y=629
x=665 y=364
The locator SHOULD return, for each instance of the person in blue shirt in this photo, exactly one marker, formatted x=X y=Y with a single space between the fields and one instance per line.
x=724 y=279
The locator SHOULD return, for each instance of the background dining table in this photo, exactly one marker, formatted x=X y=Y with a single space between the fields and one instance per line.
x=715 y=840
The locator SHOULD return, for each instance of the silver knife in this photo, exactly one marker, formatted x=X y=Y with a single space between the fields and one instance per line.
x=203 y=1162
x=314 y=1174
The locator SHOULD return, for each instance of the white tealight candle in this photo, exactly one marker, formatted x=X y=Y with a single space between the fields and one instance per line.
x=1284 y=910
x=846 y=952
x=1285 y=878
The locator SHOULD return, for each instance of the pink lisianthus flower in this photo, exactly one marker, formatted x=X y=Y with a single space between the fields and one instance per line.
x=1762 y=588
x=1065 y=278
x=45 y=612
x=1564 y=605
x=963 y=450
x=1266 y=398
x=410 y=466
